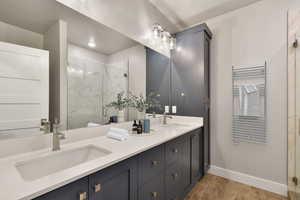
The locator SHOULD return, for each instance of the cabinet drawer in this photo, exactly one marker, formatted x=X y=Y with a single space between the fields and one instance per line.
x=151 y=163
x=174 y=177
x=153 y=189
x=118 y=182
x=175 y=150
x=73 y=191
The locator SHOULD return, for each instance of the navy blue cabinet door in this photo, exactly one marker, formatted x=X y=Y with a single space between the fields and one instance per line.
x=158 y=78
x=77 y=190
x=118 y=182
x=196 y=155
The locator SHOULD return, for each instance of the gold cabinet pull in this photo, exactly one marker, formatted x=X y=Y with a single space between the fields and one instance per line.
x=83 y=196
x=154 y=194
x=154 y=162
x=97 y=188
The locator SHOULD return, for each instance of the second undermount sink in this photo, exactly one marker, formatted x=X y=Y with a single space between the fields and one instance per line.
x=34 y=169
x=175 y=125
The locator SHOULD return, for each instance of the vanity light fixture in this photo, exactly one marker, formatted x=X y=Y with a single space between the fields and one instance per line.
x=162 y=37
x=172 y=43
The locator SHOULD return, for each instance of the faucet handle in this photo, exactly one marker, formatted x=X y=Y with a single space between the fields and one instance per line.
x=45 y=126
x=56 y=125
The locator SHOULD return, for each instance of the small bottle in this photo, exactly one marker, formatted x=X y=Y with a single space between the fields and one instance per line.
x=134 y=127
x=140 y=128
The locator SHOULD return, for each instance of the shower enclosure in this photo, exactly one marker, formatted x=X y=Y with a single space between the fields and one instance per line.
x=91 y=86
x=294 y=104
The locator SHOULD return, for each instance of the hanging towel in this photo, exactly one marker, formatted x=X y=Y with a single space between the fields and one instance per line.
x=249 y=100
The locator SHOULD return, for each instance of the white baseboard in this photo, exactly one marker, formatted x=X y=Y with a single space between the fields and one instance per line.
x=260 y=183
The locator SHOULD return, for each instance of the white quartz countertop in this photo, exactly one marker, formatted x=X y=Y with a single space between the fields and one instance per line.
x=14 y=187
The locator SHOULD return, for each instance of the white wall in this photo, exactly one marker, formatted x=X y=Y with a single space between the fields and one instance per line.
x=249 y=37
x=16 y=35
x=133 y=18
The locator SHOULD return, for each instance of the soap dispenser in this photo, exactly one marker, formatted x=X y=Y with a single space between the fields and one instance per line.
x=134 y=127
x=140 y=128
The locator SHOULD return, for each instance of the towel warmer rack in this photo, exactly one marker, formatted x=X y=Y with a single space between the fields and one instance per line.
x=250 y=128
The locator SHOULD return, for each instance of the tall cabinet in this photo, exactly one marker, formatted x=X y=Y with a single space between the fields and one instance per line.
x=183 y=79
x=190 y=63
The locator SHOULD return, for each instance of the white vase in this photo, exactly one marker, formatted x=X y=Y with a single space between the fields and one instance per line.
x=121 y=116
x=141 y=115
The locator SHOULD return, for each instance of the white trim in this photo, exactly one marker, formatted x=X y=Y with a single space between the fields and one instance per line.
x=260 y=183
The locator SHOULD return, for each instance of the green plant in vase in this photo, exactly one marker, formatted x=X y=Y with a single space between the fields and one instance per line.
x=120 y=104
x=142 y=103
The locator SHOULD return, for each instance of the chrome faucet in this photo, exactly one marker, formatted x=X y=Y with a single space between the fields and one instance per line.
x=153 y=115
x=57 y=136
x=45 y=126
x=165 y=116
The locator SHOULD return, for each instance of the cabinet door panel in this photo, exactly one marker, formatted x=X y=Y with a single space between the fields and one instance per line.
x=196 y=155
x=174 y=151
x=115 y=183
x=71 y=191
x=158 y=78
x=151 y=163
x=188 y=83
x=153 y=189
x=173 y=181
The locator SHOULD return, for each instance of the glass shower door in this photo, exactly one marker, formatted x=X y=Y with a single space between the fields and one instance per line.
x=85 y=92
x=297 y=142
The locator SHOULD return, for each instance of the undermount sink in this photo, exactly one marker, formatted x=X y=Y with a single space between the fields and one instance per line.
x=34 y=169
x=175 y=125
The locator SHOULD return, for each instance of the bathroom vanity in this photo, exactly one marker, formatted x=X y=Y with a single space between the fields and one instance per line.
x=165 y=164
x=167 y=171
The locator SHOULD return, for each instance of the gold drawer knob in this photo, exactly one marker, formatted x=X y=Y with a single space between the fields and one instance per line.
x=154 y=194
x=97 y=188
x=83 y=196
x=154 y=163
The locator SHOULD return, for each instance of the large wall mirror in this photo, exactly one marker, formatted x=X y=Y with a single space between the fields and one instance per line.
x=58 y=64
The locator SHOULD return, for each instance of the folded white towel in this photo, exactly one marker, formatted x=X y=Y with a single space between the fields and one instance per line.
x=119 y=131
x=91 y=124
x=117 y=136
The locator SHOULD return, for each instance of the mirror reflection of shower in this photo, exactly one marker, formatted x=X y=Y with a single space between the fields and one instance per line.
x=93 y=82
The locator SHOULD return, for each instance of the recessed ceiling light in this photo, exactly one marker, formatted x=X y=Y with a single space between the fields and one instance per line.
x=92 y=43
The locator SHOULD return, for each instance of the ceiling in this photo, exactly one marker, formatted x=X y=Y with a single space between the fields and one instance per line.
x=186 y=13
x=39 y=15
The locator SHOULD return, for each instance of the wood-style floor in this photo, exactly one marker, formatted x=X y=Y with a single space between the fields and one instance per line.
x=217 y=188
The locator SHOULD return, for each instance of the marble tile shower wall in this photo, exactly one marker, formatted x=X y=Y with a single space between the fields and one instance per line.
x=92 y=85
x=116 y=80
